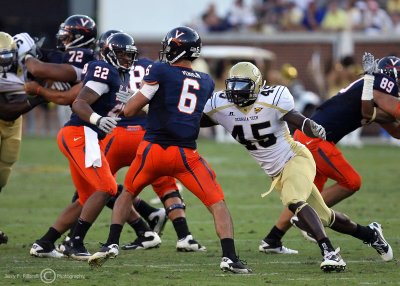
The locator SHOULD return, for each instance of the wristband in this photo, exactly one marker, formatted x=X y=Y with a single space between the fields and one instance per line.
x=94 y=118
x=304 y=122
x=27 y=56
x=368 y=92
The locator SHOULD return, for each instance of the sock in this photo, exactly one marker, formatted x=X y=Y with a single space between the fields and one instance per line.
x=144 y=209
x=228 y=249
x=325 y=245
x=139 y=226
x=115 y=233
x=51 y=235
x=71 y=230
x=364 y=233
x=80 y=231
x=274 y=237
x=181 y=227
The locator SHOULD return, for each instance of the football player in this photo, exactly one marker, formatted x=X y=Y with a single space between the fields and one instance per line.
x=13 y=103
x=340 y=115
x=176 y=96
x=257 y=117
x=120 y=148
x=386 y=97
x=114 y=67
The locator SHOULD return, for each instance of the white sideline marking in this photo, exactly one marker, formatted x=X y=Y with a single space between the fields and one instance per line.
x=169 y=265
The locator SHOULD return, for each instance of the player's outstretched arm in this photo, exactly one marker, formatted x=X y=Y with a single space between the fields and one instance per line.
x=11 y=111
x=206 y=121
x=56 y=72
x=388 y=103
x=52 y=95
x=306 y=125
x=135 y=104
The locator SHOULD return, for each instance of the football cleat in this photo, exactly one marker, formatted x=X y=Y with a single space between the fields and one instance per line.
x=307 y=236
x=276 y=249
x=157 y=220
x=105 y=253
x=44 y=249
x=148 y=240
x=332 y=261
x=3 y=236
x=61 y=247
x=379 y=243
x=188 y=244
x=238 y=266
x=77 y=252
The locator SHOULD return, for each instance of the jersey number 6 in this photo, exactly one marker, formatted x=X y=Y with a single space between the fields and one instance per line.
x=188 y=100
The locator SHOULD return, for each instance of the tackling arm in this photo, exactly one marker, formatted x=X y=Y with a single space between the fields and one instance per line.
x=306 y=125
x=206 y=121
x=388 y=103
x=81 y=105
x=59 y=97
x=135 y=104
x=11 y=111
x=56 y=72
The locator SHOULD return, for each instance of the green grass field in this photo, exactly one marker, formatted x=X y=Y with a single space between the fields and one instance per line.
x=40 y=187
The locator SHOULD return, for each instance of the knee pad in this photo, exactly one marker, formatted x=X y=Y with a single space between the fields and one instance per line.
x=174 y=194
x=174 y=207
x=296 y=207
x=354 y=183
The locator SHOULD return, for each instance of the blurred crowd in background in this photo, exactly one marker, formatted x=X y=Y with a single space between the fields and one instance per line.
x=272 y=16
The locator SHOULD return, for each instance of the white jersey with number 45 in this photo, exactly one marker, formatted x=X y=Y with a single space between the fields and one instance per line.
x=259 y=126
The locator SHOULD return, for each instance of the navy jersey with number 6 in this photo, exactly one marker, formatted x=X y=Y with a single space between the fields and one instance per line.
x=106 y=105
x=341 y=114
x=176 y=108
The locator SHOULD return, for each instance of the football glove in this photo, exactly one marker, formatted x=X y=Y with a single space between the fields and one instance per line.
x=317 y=130
x=107 y=124
x=369 y=63
x=60 y=86
x=124 y=96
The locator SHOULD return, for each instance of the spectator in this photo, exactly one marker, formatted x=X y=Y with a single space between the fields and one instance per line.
x=313 y=16
x=241 y=16
x=213 y=22
x=355 y=15
x=291 y=17
x=335 y=18
x=377 y=20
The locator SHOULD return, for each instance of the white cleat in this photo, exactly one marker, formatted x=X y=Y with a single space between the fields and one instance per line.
x=238 y=267
x=149 y=239
x=46 y=252
x=266 y=248
x=188 y=244
x=332 y=261
x=379 y=243
x=105 y=253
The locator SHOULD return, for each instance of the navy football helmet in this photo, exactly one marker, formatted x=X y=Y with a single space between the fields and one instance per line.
x=180 y=43
x=120 y=51
x=77 y=31
x=390 y=66
x=101 y=41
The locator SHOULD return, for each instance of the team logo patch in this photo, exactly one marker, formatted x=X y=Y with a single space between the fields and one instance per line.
x=258 y=109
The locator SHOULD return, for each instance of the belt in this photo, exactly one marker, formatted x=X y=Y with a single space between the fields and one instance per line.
x=134 y=128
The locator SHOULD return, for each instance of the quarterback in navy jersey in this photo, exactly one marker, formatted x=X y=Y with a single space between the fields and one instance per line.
x=176 y=95
x=341 y=115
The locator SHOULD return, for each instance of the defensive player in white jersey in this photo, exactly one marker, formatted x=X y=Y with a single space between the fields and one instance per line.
x=13 y=103
x=257 y=117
